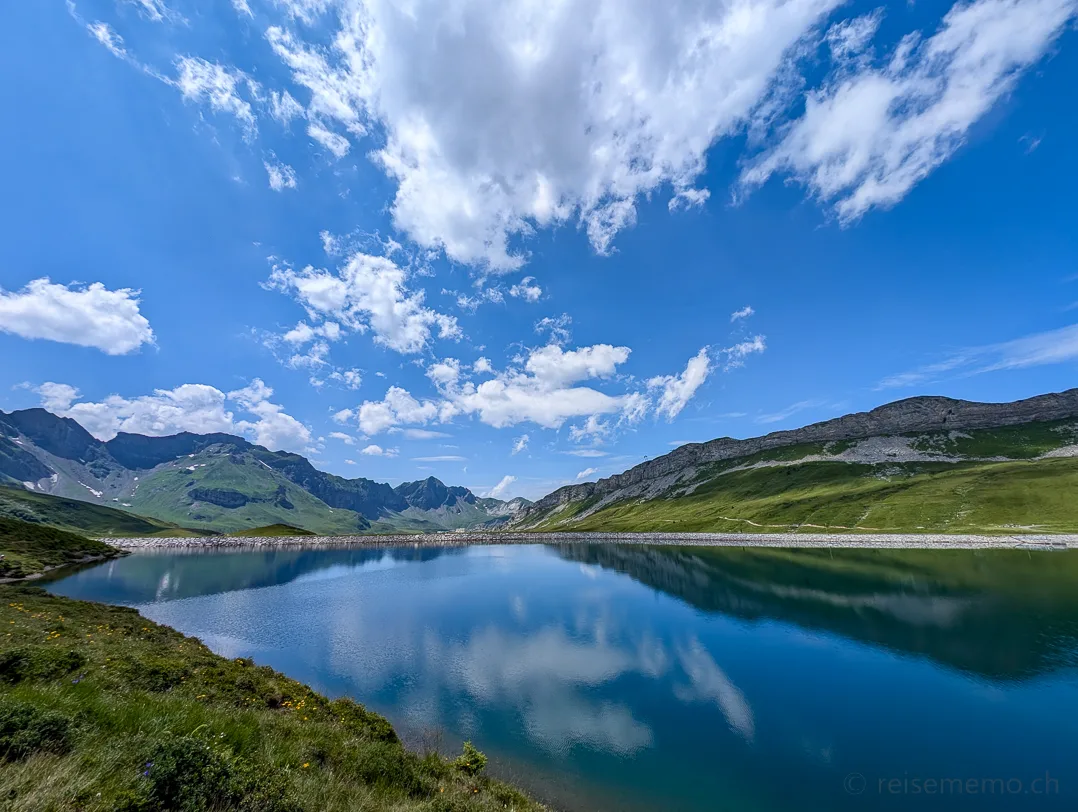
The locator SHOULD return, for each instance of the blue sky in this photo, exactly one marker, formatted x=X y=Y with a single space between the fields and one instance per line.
x=505 y=243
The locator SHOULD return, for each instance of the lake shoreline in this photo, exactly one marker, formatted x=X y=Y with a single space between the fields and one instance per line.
x=799 y=540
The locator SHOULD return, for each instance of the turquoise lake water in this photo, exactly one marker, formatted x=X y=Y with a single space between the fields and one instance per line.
x=618 y=677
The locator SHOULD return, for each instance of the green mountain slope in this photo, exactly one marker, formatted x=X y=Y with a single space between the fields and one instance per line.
x=79 y=517
x=1006 y=479
x=221 y=483
x=30 y=549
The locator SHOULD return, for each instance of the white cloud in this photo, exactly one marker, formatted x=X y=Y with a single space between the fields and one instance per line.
x=274 y=428
x=191 y=407
x=219 y=86
x=107 y=36
x=482 y=366
x=743 y=313
x=156 y=11
x=587 y=452
x=526 y=289
x=397 y=407
x=544 y=391
x=347 y=439
x=442 y=458
x=736 y=355
x=89 y=316
x=368 y=293
x=343 y=416
x=348 y=378
x=377 y=451
x=1051 y=347
x=445 y=372
x=284 y=108
x=557 y=327
x=520 y=444
x=499 y=490
x=587 y=472
x=422 y=434
x=334 y=142
x=872 y=132
x=281 y=176
x=242 y=8
x=593 y=428
x=677 y=390
x=598 y=104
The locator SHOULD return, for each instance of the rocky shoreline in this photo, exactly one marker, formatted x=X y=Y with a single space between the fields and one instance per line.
x=861 y=540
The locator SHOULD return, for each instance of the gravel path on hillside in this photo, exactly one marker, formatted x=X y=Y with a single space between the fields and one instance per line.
x=861 y=540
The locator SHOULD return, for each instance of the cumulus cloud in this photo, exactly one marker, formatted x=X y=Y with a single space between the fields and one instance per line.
x=677 y=390
x=347 y=439
x=520 y=444
x=377 y=451
x=500 y=490
x=368 y=293
x=88 y=316
x=873 y=131
x=587 y=472
x=396 y=408
x=599 y=104
x=526 y=289
x=281 y=176
x=196 y=408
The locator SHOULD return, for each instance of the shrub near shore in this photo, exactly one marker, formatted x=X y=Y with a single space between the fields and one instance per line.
x=101 y=709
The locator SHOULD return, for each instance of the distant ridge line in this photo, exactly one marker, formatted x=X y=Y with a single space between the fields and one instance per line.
x=916 y=414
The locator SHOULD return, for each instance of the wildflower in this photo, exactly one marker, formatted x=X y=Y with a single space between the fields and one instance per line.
x=306 y=764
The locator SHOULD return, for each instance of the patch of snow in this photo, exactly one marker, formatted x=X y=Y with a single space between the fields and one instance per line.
x=54 y=478
x=191 y=467
x=126 y=504
x=91 y=490
x=16 y=440
x=262 y=463
x=29 y=486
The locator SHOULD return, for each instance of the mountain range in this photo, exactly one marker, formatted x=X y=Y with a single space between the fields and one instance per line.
x=221 y=483
x=925 y=464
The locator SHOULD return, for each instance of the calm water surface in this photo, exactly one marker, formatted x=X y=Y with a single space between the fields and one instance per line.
x=659 y=678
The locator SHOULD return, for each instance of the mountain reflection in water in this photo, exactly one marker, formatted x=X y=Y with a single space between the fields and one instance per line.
x=628 y=677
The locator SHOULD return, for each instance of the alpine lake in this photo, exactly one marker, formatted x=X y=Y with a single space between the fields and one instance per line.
x=607 y=677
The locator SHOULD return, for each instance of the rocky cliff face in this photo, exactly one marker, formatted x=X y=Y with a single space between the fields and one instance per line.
x=921 y=414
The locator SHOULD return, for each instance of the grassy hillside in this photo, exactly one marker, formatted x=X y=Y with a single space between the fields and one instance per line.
x=968 y=497
x=79 y=517
x=234 y=492
x=29 y=549
x=101 y=710
x=272 y=530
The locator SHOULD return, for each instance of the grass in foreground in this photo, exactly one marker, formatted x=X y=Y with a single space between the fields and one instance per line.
x=29 y=549
x=101 y=709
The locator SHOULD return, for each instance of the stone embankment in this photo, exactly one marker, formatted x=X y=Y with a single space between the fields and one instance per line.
x=862 y=540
